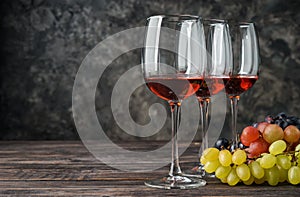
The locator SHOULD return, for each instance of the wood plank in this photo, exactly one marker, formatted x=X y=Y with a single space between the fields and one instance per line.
x=59 y=168
x=134 y=188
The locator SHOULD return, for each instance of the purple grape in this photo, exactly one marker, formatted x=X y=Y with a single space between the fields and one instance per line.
x=292 y=120
x=241 y=145
x=281 y=115
x=282 y=123
x=269 y=119
x=222 y=143
x=232 y=148
x=255 y=125
x=282 y=120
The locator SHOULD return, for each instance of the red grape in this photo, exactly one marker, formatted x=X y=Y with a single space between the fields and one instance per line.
x=261 y=126
x=258 y=147
x=291 y=134
x=272 y=133
x=249 y=134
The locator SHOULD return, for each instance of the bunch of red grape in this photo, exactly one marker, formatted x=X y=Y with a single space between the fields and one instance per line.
x=268 y=151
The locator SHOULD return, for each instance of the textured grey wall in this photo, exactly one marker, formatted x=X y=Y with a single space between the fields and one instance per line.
x=43 y=43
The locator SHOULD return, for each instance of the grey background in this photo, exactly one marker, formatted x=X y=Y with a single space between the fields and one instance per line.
x=43 y=44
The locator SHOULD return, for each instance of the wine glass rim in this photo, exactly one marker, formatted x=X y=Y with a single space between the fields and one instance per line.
x=178 y=17
x=235 y=22
x=215 y=20
x=246 y=23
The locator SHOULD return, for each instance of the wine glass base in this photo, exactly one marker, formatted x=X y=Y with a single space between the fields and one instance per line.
x=199 y=171
x=209 y=175
x=176 y=182
x=194 y=173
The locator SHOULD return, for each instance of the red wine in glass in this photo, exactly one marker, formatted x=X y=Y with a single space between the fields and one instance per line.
x=236 y=85
x=173 y=89
x=211 y=86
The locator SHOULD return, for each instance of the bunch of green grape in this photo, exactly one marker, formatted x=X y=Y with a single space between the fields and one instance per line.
x=274 y=167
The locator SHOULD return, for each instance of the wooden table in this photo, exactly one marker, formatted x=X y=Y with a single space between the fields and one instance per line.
x=66 y=168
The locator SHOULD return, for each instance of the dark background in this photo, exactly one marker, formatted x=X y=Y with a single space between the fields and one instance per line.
x=43 y=42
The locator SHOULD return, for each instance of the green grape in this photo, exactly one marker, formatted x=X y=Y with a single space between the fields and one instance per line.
x=249 y=181
x=232 y=178
x=297 y=148
x=223 y=180
x=211 y=166
x=294 y=175
x=256 y=170
x=297 y=153
x=211 y=154
x=277 y=147
x=290 y=156
x=272 y=175
x=222 y=171
x=258 y=159
x=263 y=154
x=243 y=172
x=284 y=161
x=268 y=161
x=283 y=174
x=203 y=160
x=259 y=181
x=239 y=157
x=225 y=157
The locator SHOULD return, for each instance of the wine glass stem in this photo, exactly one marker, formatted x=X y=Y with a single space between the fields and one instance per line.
x=207 y=101
x=234 y=110
x=175 y=167
x=203 y=104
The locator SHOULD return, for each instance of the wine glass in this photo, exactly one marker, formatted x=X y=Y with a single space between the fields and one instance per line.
x=219 y=59
x=172 y=62
x=245 y=67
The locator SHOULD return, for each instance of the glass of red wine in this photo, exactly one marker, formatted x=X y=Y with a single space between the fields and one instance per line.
x=173 y=59
x=219 y=59
x=245 y=67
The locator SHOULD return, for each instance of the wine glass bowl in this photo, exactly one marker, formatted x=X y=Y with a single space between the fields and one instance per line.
x=219 y=59
x=245 y=67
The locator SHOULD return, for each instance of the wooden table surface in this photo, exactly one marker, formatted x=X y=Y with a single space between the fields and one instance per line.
x=66 y=168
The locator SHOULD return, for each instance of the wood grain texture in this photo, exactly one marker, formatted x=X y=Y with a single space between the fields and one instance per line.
x=59 y=168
